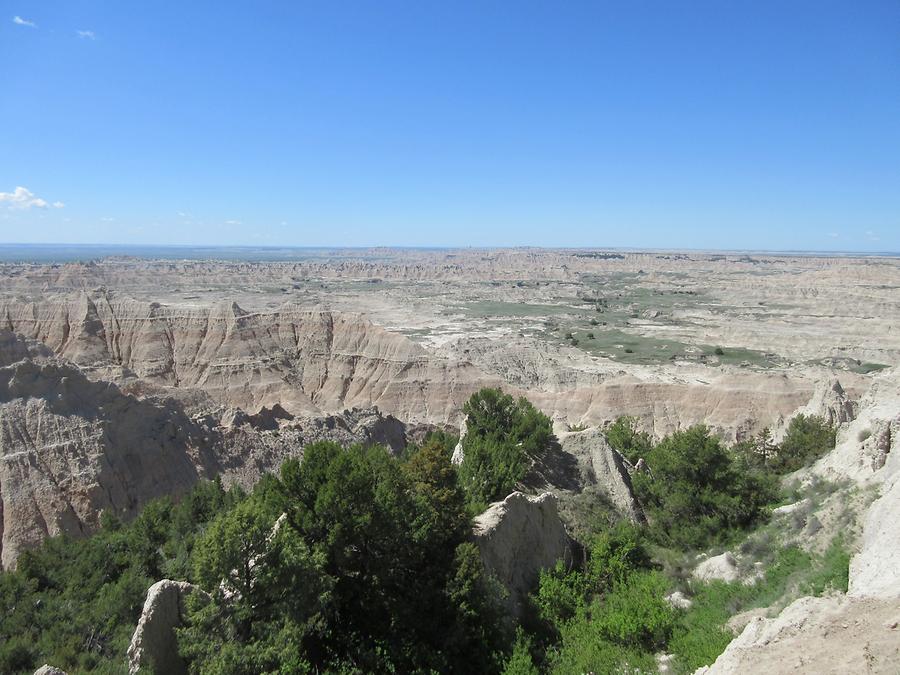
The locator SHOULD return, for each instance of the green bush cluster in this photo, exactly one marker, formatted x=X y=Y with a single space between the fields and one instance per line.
x=697 y=492
x=503 y=437
x=370 y=571
x=370 y=568
x=74 y=603
x=603 y=616
x=624 y=437
x=807 y=439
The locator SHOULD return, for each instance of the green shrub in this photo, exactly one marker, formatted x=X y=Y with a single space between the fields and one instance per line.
x=614 y=555
x=503 y=437
x=807 y=438
x=520 y=661
x=624 y=437
x=582 y=649
x=635 y=612
x=833 y=572
x=697 y=492
x=560 y=594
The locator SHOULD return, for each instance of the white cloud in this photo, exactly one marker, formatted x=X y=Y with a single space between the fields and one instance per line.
x=232 y=222
x=19 y=21
x=108 y=219
x=86 y=34
x=833 y=235
x=872 y=236
x=23 y=198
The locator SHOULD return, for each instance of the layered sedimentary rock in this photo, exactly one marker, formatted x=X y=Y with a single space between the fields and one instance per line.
x=313 y=360
x=70 y=448
x=301 y=359
x=519 y=537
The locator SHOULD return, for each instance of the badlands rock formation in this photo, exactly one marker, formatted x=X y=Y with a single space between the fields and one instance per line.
x=581 y=461
x=519 y=537
x=856 y=632
x=70 y=448
x=303 y=360
x=154 y=646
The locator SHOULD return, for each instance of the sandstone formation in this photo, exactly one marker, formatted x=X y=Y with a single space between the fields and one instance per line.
x=71 y=447
x=311 y=360
x=603 y=468
x=154 y=647
x=519 y=537
x=831 y=402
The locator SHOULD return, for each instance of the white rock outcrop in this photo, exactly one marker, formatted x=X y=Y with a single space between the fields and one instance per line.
x=519 y=537
x=154 y=647
x=788 y=509
x=679 y=600
x=718 y=568
x=49 y=670
x=817 y=636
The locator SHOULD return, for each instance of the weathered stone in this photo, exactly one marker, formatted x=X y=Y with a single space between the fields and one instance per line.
x=154 y=647
x=679 y=600
x=519 y=537
x=721 y=567
x=49 y=670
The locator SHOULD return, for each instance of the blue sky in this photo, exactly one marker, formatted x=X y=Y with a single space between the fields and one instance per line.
x=703 y=124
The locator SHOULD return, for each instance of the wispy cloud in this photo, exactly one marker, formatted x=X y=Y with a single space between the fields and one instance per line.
x=232 y=222
x=86 y=34
x=871 y=235
x=19 y=21
x=22 y=199
x=833 y=235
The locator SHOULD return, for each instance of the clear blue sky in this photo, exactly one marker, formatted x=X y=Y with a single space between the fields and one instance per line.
x=696 y=124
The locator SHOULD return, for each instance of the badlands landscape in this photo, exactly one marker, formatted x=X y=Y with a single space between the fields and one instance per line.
x=125 y=379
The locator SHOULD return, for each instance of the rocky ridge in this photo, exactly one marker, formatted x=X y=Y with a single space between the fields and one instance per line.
x=856 y=631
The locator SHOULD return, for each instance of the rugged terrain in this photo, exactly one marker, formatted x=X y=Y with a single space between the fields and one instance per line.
x=136 y=371
x=122 y=380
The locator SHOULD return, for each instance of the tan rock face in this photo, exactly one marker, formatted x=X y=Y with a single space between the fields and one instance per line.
x=519 y=537
x=154 y=647
x=817 y=636
x=70 y=448
x=583 y=461
x=303 y=360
